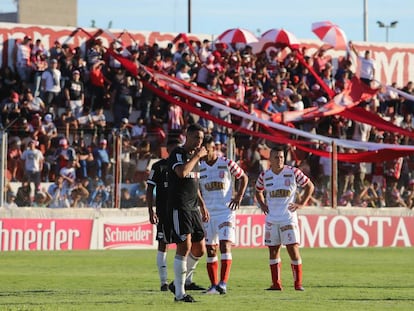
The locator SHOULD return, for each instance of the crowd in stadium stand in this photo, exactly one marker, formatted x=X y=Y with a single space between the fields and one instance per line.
x=71 y=104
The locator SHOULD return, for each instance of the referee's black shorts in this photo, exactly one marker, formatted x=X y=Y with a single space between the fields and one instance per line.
x=187 y=222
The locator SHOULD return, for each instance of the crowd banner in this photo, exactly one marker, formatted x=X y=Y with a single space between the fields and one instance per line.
x=43 y=229
x=393 y=60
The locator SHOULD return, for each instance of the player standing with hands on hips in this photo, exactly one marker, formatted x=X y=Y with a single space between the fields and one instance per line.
x=217 y=191
x=184 y=199
x=280 y=182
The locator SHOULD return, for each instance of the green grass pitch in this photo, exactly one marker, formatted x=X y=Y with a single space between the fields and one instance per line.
x=334 y=279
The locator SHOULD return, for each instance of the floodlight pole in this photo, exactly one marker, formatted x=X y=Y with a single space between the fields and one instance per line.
x=387 y=27
x=365 y=20
x=189 y=16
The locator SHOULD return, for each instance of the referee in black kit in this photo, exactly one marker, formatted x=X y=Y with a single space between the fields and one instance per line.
x=157 y=180
x=184 y=198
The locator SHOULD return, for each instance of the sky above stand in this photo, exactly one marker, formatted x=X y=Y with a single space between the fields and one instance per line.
x=215 y=16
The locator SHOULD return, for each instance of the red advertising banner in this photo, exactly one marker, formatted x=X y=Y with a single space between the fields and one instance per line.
x=335 y=231
x=45 y=234
x=127 y=233
x=356 y=231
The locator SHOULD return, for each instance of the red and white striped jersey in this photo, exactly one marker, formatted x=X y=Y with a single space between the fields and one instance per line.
x=216 y=183
x=280 y=190
x=175 y=117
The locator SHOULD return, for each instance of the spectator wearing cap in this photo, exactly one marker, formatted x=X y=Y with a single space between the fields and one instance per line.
x=63 y=154
x=21 y=59
x=125 y=129
x=11 y=108
x=74 y=94
x=33 y=164
x=68 y=173
x=102 y=159
x=51 y=87
x=49 y=131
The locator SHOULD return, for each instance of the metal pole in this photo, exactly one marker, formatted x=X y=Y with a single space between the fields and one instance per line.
x=189 y=16
x=334 y=176
x=117 y=170
x=3 y=144
x=386 y=33
x=365 y=20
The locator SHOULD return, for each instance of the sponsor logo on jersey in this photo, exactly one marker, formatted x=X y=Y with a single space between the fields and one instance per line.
x=193 y=175
x=269 y=185
x=203 y=169
x=287 y=175
x=287 y=182
x=222 y=174
x=279 y=193
x=269 y=178
x=221 y=167
x=215 y=185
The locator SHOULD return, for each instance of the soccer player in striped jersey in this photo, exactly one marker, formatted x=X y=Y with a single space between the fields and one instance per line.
x=279 y=183
x=217 y=191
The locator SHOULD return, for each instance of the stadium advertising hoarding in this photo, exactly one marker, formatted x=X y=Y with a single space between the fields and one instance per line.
x=137 y=233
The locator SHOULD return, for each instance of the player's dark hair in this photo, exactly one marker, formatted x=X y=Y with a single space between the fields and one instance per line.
x=279 y=148
x=195 y=127
x=208 y=139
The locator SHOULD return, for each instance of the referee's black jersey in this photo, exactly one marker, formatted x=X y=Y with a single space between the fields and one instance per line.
x=158 y=178
x=182 y=192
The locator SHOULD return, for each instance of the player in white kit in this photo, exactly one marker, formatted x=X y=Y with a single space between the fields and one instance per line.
x=279 y=183
x=216 y=179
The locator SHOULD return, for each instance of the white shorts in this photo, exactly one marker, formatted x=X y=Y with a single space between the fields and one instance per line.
x=281 y=234
x=219 y=228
